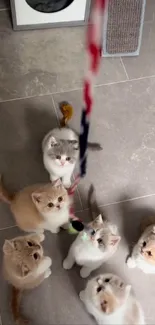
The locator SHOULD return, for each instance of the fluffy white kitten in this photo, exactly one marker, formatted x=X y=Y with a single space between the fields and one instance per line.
x=143 y=254
x=110 y=301
x=93 y=250
x=60 y=153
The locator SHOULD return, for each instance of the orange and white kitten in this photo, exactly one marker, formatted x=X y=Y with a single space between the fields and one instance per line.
x=39 y=207
x=91 y=250
x=143 y=254
x=110 y=301
x=24 y=267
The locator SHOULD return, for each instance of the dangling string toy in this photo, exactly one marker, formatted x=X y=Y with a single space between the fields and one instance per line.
x=94 y=42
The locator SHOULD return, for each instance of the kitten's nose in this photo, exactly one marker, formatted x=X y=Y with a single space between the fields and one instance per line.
x=58 y=206
x=62 y=162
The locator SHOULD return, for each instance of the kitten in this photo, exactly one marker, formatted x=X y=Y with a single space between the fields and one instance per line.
x=39 y=207
x=24 y=267
x=93 y=251
x=110 y=301
x=143 y=254
x=60 y=153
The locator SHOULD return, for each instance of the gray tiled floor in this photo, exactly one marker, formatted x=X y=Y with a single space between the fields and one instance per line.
x=37 y=70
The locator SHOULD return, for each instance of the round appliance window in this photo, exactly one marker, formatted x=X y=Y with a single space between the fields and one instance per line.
x=48 y=6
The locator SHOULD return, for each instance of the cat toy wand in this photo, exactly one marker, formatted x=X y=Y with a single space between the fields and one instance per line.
x=94 y=38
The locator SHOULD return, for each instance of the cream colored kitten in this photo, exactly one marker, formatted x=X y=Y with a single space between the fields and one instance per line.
x=111 y=302
x=39 y=207
x=143 y=254
x=24 y=266
x=91 y=250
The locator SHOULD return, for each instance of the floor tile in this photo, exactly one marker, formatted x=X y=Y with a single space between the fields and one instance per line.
x=150 y=10
x=23 y=124
x=57 y=297
x=46 y=61
x=4 y=4
x=143 y=65
x=123 y=121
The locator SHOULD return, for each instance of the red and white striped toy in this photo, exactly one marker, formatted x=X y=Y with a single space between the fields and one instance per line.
x=94 y=41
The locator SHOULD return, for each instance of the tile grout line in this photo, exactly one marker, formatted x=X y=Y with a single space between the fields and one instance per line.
x=56 y=113
x=4 y=9
x=100 y=206
x=124 y=68
x=76 y=89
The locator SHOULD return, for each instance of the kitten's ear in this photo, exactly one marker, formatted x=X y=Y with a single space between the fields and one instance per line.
x=99 y=219
x=53 y=141
x=8 y=247
x=75 y=144
x=57 y=182
x=36 y=197
x=24 y=270
x=114 y=240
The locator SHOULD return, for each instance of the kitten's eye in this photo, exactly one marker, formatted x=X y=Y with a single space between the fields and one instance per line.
x=58 y=157
x=30 y=244
x=144 y=243
x=92 y=232
x=99 y=289
x=36 y=256
x=50 y=205
x=100 y=241
x=149 y=253
x=68 y=158
x=107 y=280
x=60 y=198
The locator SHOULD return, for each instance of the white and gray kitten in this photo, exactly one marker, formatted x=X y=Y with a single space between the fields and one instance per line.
x=60 y=153
x=110 y=301
x=90 y=250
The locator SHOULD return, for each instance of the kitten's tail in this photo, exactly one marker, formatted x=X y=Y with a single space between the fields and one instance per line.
x=5 y=196
x=94 y=146
x=92 y=203
x=15 y=306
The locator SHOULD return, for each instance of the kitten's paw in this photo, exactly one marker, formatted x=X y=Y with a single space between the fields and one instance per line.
x=81 y=295
x=55 y=231
x=67 y=183
x=48 y=261
x=47 y=273
x=66 y=264
x=84 y=272
x=42 y=237
x=131 y=263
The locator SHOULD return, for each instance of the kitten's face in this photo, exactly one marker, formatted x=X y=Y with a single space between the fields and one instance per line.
x=147 y=248
x=108 y=292
x=102 y=236
x=63 y=152
x=50 y=199
x=25 y=253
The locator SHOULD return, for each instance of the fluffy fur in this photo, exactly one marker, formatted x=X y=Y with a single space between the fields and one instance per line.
x=40 y=207
x=24 y=266
x=60 y=153
x=93 y=251
x=110 y=301
x=143 y=254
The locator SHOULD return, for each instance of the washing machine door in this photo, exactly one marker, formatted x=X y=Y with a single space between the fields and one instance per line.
x=48 y=6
